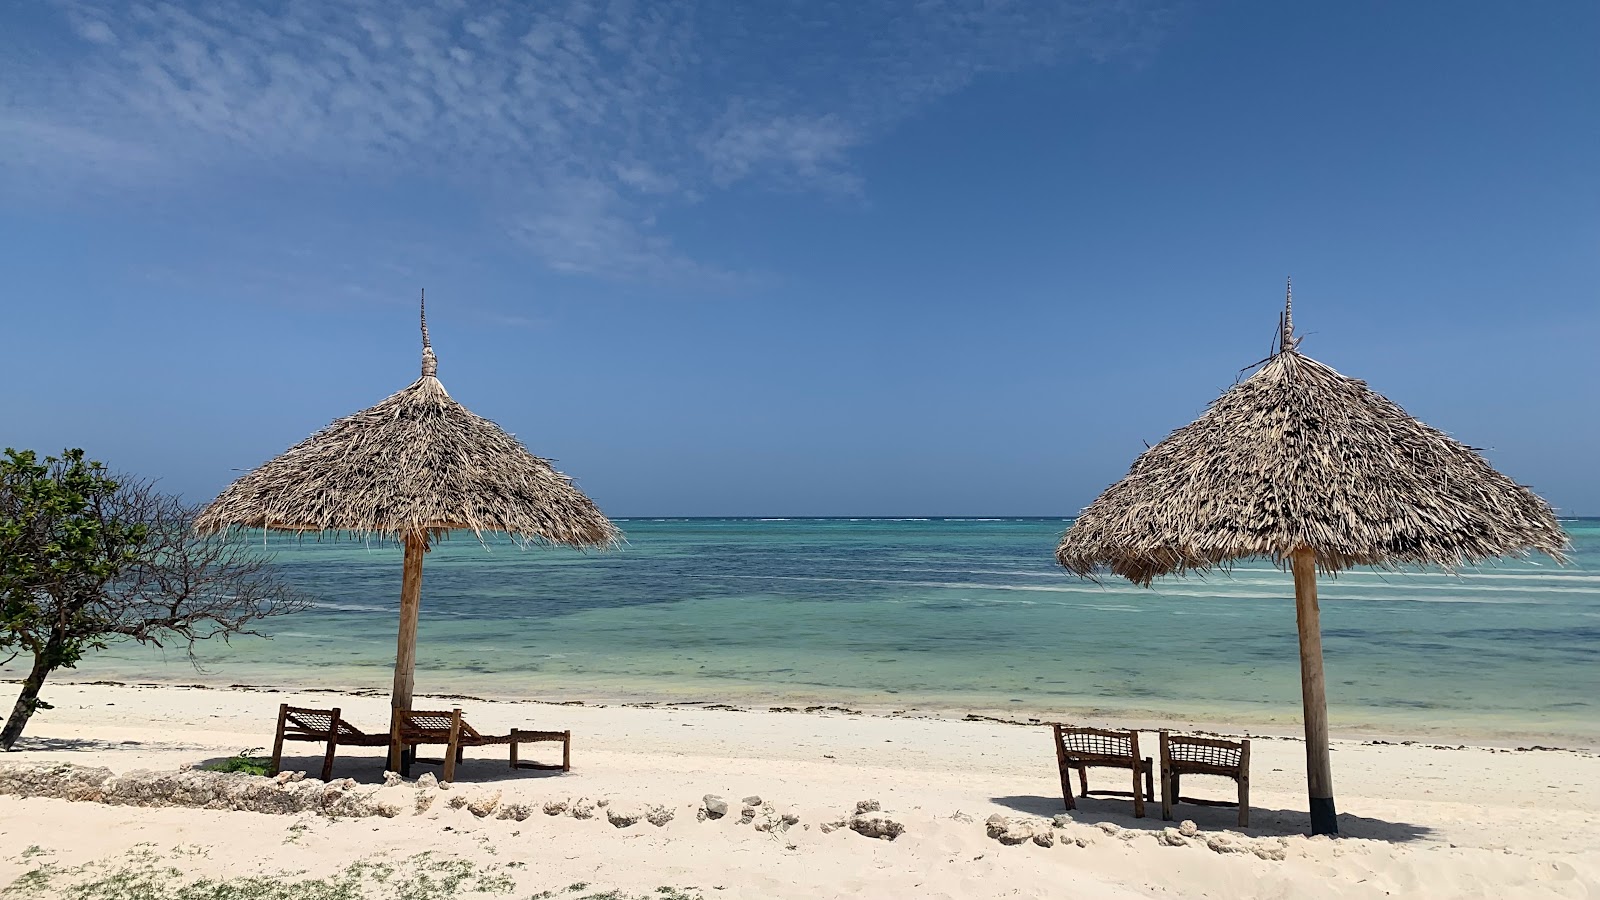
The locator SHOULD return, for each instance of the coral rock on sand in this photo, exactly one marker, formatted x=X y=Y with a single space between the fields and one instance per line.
x=1222 y=843
x=752 y=800
x=658 y=815
x=1171 y=838
x=194 y=788
x=390 y=779
x=1019 y=831
x=996 y=825
x=1188 y=828
x=427 y=780
x=876 y=825
x=1276 y=851
x=867 y=806
x=583 y=808
x=712 y=807
x=554 y=807
x=483 y=804
x=517 y=811
x=622 y=816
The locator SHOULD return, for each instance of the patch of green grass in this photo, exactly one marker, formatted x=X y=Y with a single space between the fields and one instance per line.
x=244 y=762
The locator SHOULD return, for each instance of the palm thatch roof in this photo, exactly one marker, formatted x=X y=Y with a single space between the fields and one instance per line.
x=1298 y=455
x=416 y=462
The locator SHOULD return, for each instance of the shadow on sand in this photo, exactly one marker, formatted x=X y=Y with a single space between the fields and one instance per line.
x=1263 y=822
x=367 y=765
x=88 y=745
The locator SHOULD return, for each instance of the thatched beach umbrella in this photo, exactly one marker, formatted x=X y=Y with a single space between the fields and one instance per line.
x=412 y=468
x=1315 y=471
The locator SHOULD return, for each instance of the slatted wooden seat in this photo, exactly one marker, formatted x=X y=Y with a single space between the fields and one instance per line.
x=1085 y=748
x=414 y=727
x=319 y=725
x=1182 y=755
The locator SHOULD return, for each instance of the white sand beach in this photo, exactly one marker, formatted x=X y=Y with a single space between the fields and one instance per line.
x=1417 y=820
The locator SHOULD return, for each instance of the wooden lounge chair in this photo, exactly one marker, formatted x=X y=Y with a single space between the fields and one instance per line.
x=299 y=724
x=1182 y=755
x=1083 y=748
x=413 y=727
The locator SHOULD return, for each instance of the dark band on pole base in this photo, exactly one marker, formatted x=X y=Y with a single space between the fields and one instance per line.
x=1323 y=819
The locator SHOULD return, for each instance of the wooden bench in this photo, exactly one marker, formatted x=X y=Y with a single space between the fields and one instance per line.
x=319 y=725
x=1085 y=748
x=414 y=727
x=1182 y=755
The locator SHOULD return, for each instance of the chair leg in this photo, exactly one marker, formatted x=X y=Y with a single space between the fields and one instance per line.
x=1138 y=795
x=397 y=760
x=566 y=751
x=1244 y=783
x=452 y=751
x=1083 y=780
x=513 y=751
x=1149 y=777
x=333 y=742
x=1166 y=794
x=277 y=741
x=1066 y=787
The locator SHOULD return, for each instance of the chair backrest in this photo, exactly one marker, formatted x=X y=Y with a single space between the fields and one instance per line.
x=426 y=721
x=1211 y=752
x=319 y=722
x=434 y=722
x=1096 y=743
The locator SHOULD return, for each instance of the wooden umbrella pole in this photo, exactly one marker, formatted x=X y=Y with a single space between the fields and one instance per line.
x=1319 y=767
x=405 y=657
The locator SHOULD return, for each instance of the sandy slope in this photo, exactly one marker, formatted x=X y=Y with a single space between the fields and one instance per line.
x=1418 y=820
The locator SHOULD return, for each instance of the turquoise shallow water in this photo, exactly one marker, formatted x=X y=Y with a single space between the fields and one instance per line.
x=931 y=614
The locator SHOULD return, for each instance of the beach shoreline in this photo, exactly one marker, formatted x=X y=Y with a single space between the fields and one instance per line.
x=791 y=703
x=1417 y=819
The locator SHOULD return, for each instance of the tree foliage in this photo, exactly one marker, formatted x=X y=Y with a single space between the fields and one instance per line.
x=87 y=559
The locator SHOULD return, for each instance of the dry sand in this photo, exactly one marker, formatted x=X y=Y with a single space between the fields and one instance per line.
x=1418 y=820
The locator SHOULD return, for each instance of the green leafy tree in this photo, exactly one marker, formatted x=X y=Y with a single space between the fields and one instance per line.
x=87 y=558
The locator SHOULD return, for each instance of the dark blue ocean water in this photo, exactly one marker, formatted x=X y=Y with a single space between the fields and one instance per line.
x=932 y=614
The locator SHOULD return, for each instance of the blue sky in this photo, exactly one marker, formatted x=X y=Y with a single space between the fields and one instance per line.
x=853 y=258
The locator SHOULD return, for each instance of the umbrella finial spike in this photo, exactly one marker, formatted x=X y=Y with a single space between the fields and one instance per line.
x=430 y=364
x=1286 y=340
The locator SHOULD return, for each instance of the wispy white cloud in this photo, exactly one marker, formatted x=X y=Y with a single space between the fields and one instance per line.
x=577 y=122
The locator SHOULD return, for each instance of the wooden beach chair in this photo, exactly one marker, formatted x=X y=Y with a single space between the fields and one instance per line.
x=414 y=727
x=1181 y=755
x=1085 y=748
x=319 y=725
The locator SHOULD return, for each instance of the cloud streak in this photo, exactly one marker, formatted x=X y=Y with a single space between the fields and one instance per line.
x=575 y=123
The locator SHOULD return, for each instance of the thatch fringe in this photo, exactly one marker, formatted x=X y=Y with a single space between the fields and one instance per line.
x=417 y=462
x=1298 y=455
